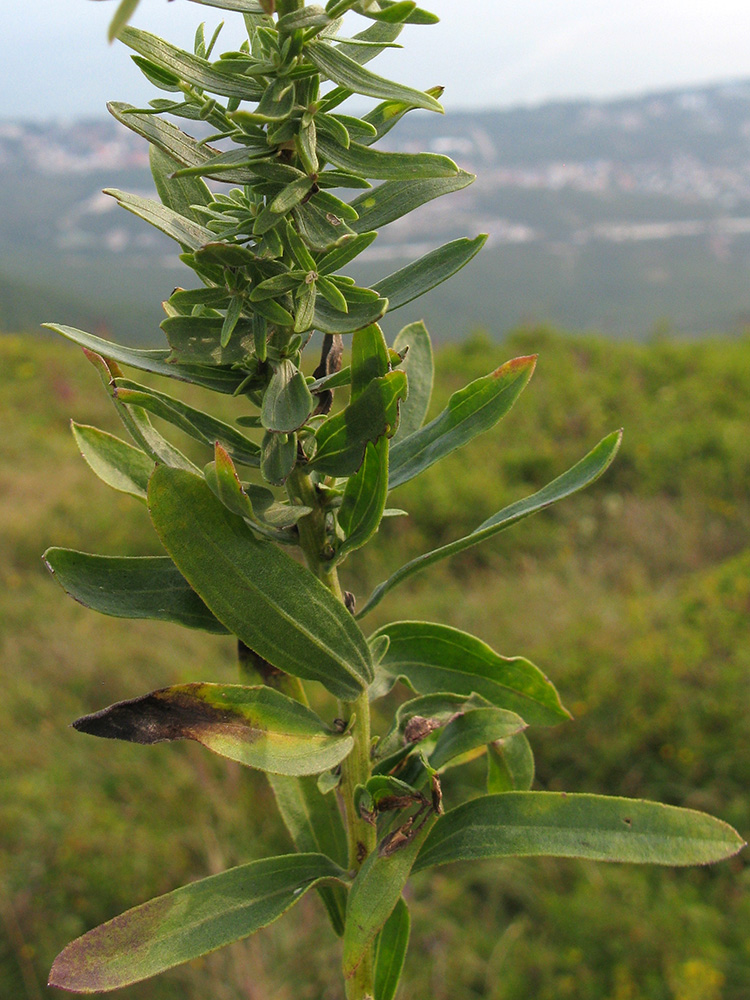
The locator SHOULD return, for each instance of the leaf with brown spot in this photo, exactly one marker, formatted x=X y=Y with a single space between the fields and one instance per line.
x=257 y=726
x=189 y=922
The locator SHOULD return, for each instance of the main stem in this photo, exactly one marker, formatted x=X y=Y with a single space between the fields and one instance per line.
x=356 y=769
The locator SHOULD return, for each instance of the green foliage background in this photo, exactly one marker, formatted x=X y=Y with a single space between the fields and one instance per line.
x=634 y=598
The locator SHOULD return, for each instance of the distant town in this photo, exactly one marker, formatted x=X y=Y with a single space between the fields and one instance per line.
x=687 y=153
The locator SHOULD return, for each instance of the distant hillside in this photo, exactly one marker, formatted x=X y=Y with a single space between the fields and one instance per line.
x=617 y=216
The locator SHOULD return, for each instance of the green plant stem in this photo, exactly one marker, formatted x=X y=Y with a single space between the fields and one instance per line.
x=356 y=769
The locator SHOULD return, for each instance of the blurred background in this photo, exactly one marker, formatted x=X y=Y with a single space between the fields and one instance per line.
x=612 y=148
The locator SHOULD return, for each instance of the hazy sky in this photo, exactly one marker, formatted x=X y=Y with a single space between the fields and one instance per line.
x=56 y=61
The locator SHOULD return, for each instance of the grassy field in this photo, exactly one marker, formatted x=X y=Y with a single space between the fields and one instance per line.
x=633 y=597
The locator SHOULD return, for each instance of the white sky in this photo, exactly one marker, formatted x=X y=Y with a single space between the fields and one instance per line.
x=55 y=60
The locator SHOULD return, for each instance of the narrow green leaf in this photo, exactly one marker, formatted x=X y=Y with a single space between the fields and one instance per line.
x=390 y=951
x=342 y=439
x=320 y=229
x=125 y=10
x=315 y=826
x=367 y=45
x=254 y=503
x=429 y=271
x=304 y=314
x=180 y=194
x=418 y=718
x=148 y=587
x=190 y=68
x=277 y=607
x=234 y=311
x=346 y=72
x=186 y=232
x=244 y=6
x=419 y=367
x=332 y=294
x=401 y=167
x=219 y=379
x=199 y=425
x=339 y=257
x=369 y=358
x=291 y=195
x=189 y=922
x=394 y=199
x=256 y=726
x=196 y=340
x=375 y=892
x=287 y=402
x=396 y=11
x=278 y=455
x=558 y=824
x=118 y=464
x=388 y=114
x=580 y=475
x=470 y=411
x=178 y=149
x=364 y=499
x=510 y=765
x=331 y=320
x=471 y=729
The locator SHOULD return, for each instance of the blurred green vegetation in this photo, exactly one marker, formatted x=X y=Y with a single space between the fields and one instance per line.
x=633 y=597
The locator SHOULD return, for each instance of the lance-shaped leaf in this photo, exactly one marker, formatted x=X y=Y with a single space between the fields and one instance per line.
x=370 y=358
x=118 y=464
x=125 y=10
x=421 y=275
x=337 y=66
x=184 y=231
x=419 y=367
x=418 y=718
x=433 y=658
x=287 y=402
x=189 y=922
x=136 y=420
x=327 y=319
x=579 y=476
x=181 y=148
x=470 y=411
x=256 y=726
x=254 y=503
x=278 y=455
x=342 y=439
x=315 y=826
x=390 y=951
x=364 y=499
x=471 y=729
x=510 y=765
x=366 y=492
x=148 y=587
x=381 y=165
x=196 y=340
x=277 y=607
x=199 y=425
x=377 y=889
x=394 y=199
x=183 y=195
x=558 y=824
x=245 y=6
x=219 y=379
x=365 y=46
x=190 y=68
x=401 y=11
x=335 y=259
